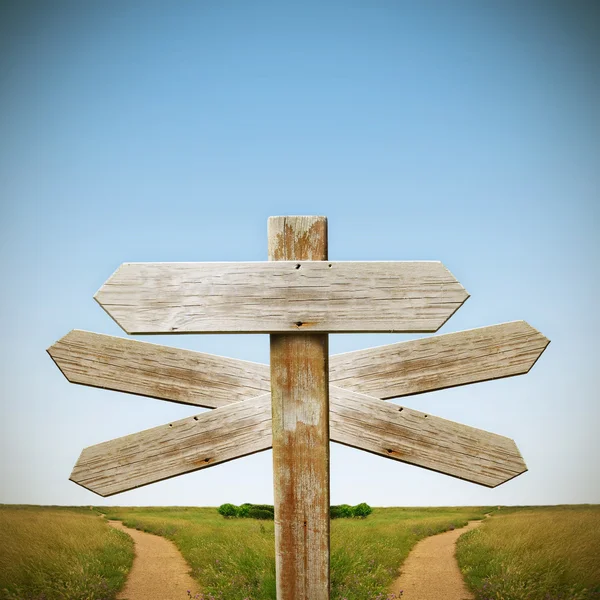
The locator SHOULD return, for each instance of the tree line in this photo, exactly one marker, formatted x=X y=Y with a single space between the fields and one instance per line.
x=266 y=512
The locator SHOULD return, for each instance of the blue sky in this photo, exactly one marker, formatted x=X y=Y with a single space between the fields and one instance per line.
x=465 y=132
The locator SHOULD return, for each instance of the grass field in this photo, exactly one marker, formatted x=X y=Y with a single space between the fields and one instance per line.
x=60 y=554
x=233 y=559
x=537 y=553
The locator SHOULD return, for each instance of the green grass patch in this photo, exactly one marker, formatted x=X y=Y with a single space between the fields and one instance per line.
x=234 y=559
x=54 y=553
x=534 y=553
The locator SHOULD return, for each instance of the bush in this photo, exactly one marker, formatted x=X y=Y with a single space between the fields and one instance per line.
x=228 y=510
x=343 y=511
x=260 y=513
x=268 y=507
x=361 y=510
x=266 y=512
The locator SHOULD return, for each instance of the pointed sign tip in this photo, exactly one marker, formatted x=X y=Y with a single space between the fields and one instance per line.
x=85 y=487
x=521 y=472
x=458 y=306
x=62 y=340
x=543 y=341
x=105 y=308
x=54 y=353
x=519 y=468
x=537 y=333
x=78 y=475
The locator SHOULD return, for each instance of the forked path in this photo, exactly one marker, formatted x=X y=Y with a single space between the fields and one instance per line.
x=159 y=571
x=431 y=572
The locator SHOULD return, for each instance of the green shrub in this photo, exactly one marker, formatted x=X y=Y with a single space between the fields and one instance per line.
x=343 y=511
x=268 y=507
x=265 y=512
x=361 y=510
x=228 y=510
x=260 y=513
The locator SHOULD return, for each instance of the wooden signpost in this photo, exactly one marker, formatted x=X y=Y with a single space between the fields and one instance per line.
x=306 y=398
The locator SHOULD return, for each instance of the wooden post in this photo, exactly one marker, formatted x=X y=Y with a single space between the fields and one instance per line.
x=300 y=405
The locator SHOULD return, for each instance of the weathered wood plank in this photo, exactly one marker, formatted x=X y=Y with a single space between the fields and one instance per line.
x=440 y=362
x=300 y=406
x=390 y=371
x=156 y=371
x=423 y=440
x=176 y=448
x=281 y=296
x=240 y=429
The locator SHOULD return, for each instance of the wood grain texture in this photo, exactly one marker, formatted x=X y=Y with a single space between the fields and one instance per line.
x=280 y=297
x=176 y=448
x=300 y=407
x=422 y=440
x=156 y=371
x=390 y=371
x=244 y=428
x=440 y=362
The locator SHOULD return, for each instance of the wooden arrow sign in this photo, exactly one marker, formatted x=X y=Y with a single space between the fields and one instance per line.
x=176 y=448
x=207 y=380
x=146 y=369
x=440 y=361
x=281 y=296
x=385 y=372
x=312 y=399
x=244 y=428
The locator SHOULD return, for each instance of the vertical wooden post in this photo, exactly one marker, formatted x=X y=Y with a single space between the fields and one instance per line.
x=300 y=399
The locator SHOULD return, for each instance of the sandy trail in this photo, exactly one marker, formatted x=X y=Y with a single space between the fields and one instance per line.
x=159 y=571
x=431 y=572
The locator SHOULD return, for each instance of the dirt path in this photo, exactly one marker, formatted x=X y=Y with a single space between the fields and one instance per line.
x=431 y=572
x=159 y=571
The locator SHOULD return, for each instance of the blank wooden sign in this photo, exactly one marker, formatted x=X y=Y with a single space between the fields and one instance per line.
x=281 y=297
x=244 y=428
x=390 y=371
x=305 y=399
x=358 y=420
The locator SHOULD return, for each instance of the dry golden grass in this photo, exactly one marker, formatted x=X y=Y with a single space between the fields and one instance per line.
x=60 y=554
x=538 y=553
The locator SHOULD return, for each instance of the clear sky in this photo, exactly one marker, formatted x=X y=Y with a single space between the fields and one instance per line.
x=465 y=132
